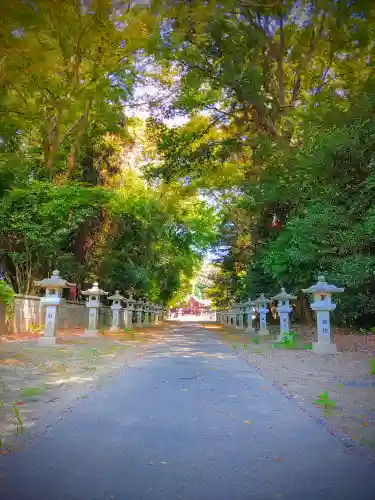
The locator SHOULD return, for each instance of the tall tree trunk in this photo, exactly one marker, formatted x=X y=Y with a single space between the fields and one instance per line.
x=82 y=127
x=303 y=310
x=52 y=141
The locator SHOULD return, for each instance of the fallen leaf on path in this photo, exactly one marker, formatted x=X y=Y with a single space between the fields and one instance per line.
x=365 y=424
x=363 y=417
x=20 y=403
x=262 y=387
x=277 y=459
x=246 y=422
x=5 y=452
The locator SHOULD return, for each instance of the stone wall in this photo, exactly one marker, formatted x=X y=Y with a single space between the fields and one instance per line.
x=28 y=314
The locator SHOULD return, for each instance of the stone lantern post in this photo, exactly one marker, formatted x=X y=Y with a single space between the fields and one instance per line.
x=323 y=305
x=261 y=303
x=150 y=313
x=51 y=300
x=116 y=310
x=147 y=312
x=283 y=308
x=239 y=315
x=128 y=311
x=93 y=305
x=229 y=316
x=139 y=310
x=249 y=310
x=157 y=313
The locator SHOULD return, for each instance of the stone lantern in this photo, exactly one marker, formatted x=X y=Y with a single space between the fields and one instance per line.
x=323 y=305
x=238 y=318
x=249 y=311
x=128 y=311
x=147 y=312
x=93 y=305
x=139 y=310
x=150 y=308
x=283 y=308
x=231 y=315
x=261 y=303
x=116 y=310
x=157 y=313
x=51 y=300
x=163 y=313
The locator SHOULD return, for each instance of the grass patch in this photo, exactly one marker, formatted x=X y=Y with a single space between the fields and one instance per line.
x=290 y=342
x=323 y=401
x=372 y=366
x=30 y=392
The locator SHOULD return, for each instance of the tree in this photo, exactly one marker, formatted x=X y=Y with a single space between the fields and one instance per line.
x=87 y=71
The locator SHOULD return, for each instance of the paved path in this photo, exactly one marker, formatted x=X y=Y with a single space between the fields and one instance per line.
x=172 y=427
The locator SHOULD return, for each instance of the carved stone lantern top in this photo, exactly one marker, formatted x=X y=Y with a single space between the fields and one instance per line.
x=95 y=290
x=283 y=296
x=322 y=287
x=262 y=300
x=116 y=297
x=54 y=282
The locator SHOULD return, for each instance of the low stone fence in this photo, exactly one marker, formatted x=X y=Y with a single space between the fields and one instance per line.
x=28 y=315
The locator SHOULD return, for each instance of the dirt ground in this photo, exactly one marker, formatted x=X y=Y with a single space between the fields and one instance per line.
x=303 y=376
x=40 y=382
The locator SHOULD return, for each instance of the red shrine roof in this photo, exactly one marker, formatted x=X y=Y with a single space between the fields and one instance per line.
x=199 y=302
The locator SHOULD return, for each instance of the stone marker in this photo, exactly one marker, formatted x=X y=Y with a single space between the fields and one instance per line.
x=249 y=311
x=128 y=311
x=116 y=310
x=157 y=313
x=93 y=305
x=52 y=299
x=283 y=308
x=262 y=302
x=147 y=304
x=323 y=305
x=139 y=310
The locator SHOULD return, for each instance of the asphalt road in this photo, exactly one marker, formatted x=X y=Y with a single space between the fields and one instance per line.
x=188 y=421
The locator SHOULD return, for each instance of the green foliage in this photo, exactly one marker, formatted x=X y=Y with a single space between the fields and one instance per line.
x=15 y=412
x=280 y=121
x=135 y=239
x=372 y=366
x=6 y=293
x=286 y=107
x=30 y=392
x=290 y=339
x=324 y=401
